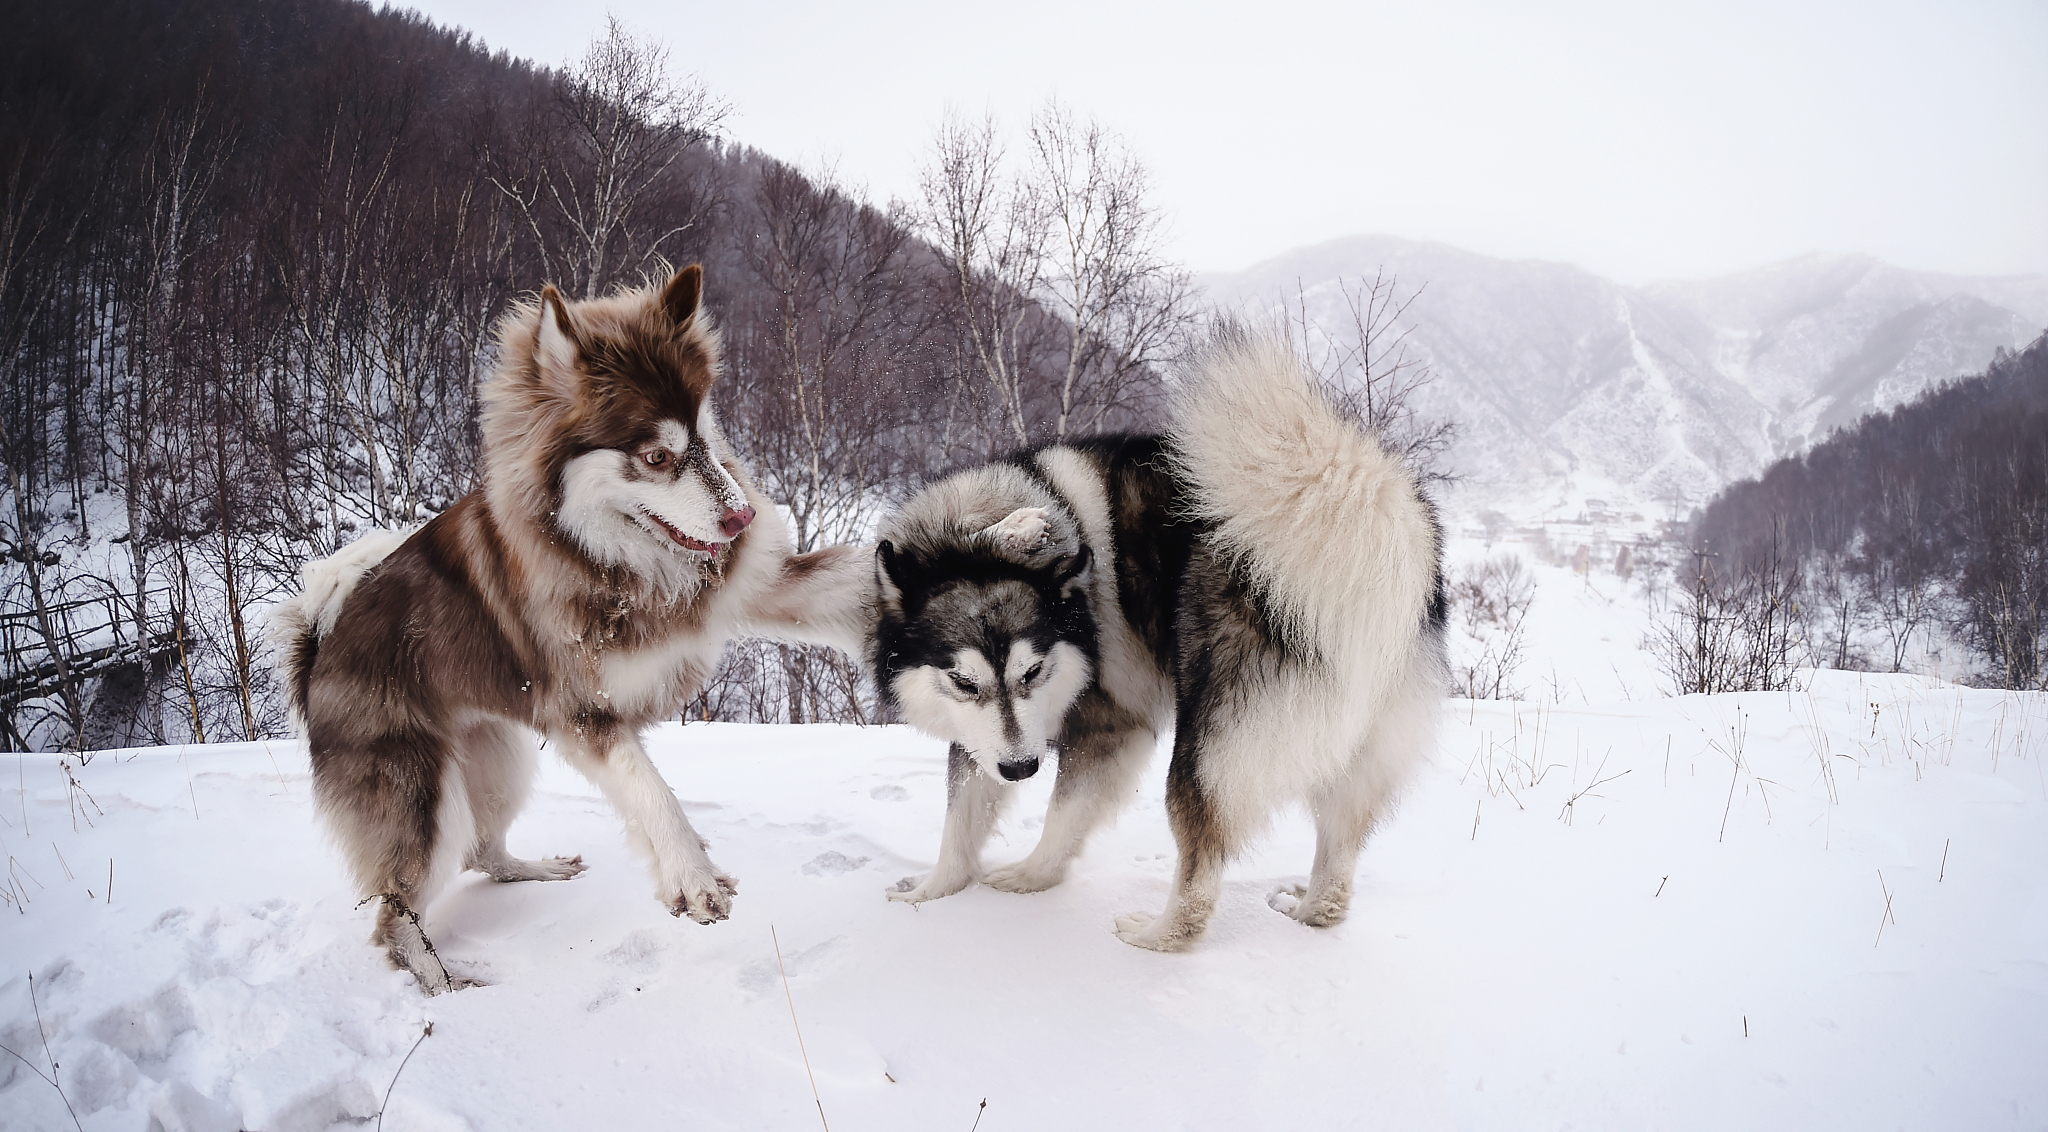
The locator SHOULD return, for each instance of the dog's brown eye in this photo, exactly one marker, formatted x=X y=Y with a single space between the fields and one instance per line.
x=656 y=457
x=1031 y=674
x=966 y=686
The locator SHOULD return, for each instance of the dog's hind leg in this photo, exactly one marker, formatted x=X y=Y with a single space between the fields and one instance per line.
x=497 y=769
x=1203 y=839
x=1097 y=776
x=399 y=807
x=405 y=941
x=1347 y=811
x=973 y=803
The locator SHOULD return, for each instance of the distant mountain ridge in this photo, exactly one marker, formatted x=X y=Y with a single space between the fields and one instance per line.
x=1568 y=385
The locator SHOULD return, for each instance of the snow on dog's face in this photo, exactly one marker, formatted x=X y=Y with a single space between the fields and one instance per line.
x=640 y=461
x=983 y=650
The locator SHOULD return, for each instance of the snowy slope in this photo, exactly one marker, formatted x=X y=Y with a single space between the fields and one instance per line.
x=1820 y=340
x=1568 y=386
x=1572 y=921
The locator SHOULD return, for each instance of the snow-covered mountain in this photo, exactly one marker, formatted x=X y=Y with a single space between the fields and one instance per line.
x=1569 y=386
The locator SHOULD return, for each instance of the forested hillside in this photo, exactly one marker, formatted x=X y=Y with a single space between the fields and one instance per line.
x=251 y=252
x=1921 y=527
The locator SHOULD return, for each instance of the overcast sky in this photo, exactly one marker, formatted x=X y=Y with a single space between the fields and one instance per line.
x=1643 y=140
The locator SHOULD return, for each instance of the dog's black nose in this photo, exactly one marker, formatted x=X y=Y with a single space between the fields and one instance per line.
x=1018 y=771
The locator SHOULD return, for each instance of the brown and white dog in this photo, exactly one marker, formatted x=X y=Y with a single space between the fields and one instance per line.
x=583 y=592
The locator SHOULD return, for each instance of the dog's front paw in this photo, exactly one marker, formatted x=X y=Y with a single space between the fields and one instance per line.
x=1021 y=531
x=1154 y=933
x=706 y=902
x=1131 y=927
x=917 y=890
x=1024 y=876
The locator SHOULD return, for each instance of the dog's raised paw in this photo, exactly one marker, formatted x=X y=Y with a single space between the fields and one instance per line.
x=706 y=903
x=1021 y=531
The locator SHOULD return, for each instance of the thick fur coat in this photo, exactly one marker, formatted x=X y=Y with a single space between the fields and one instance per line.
x=583 y=592
x=1265 y=579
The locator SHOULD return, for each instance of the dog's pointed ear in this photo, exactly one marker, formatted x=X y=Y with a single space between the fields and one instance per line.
x=557 y=346
x=1071 y=572
x=680 y=298
x=889 y=566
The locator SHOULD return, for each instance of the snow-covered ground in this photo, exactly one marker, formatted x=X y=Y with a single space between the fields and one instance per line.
x=1585 y=637
x=1607 y=913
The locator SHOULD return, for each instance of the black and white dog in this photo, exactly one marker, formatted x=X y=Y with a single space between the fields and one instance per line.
x=1265 y=578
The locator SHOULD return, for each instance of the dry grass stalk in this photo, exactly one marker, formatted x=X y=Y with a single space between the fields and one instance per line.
x=51 y=1076
x=799 y=1028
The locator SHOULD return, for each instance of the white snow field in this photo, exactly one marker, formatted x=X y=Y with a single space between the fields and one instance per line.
x=1627 y=915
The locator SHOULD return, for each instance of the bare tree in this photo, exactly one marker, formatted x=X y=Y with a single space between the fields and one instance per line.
x=1741 y=628
x=991 y=230
x=1366 y=365
x=812 y=358
x=180 y=169
x=1897 y=577
x=1126 y=307
x=2002 y=589
x=322 y=260
x=1834 y=595
x=43 y=208
x=596 y=175
x=1492 y=599
x=24 y=548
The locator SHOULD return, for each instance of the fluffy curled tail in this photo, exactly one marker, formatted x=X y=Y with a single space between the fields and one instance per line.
x=1333 y=530
x=297 y=624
